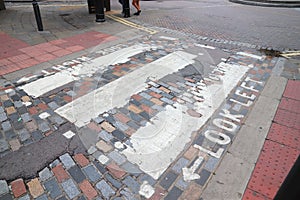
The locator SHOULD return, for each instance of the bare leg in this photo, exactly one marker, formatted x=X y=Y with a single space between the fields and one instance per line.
x=136 y=4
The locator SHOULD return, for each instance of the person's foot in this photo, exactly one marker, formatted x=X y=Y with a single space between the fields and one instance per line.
x=137 y=13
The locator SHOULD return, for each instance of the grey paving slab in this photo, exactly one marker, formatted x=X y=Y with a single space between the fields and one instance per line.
x=45 y=174
x=70 y=188
x=53 y=188
x=3 y=187
x=67 y=160
x=92 y=173
x=105 y=189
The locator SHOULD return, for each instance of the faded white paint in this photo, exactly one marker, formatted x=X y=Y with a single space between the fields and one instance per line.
x=69 y=134
x=155 y=146
x=204 y=46
x=251 y=55
x=168 y=38
x=67 y=75
x=189 y=173
x=217 y=154
x=118 y=92
x=146 y=190
x=217 y=137
x=44 y=115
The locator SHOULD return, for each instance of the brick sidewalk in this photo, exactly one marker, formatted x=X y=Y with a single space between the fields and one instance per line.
x=281 y=148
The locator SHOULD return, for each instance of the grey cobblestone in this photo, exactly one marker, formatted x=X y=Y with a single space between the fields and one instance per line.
x=7 y=197
x=3 y=145
x=113 y=181
x=168 y=180
x=76 y=174
x=182 y=162
x=204 y=175
x=117 y=157
x=166 y=100
x=57 y=119
x=211 y=164
x=45 y=174
x=127 y=194
x=132 y=184
x=18 y=104
x=67 y=160
x=42 y=197
x=26 y=117
x=98 y=120
x=23 y=135
x=3 y=117
x=53 y=105
x=105 y=189
x=174 y=194
x=52 y=187
x=121 y=126
x=146 y=177
x=6 y=126
x=92 y=173
x=44 y=127
x=105 y=136
x=1 y=109
x=26 y=197
x=182 y=184
x=131 y=168
x=3 y=187
x=156 y=90
x=70 y=188
x=145 y=95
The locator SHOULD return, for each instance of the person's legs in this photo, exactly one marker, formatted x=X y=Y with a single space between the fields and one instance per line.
x=136 y=4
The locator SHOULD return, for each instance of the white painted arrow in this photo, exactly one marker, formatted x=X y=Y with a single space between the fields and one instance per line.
x=189 y=173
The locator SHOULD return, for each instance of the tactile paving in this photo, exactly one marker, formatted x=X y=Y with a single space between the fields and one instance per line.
x=252 y=195
x=292 y=90
x=284 y=135
x=287 y=118
x=290 y=105
x=274 y=163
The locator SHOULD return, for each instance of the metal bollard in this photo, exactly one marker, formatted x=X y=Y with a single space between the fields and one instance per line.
x=99 y=9
x=126 y=8
x=37 y=14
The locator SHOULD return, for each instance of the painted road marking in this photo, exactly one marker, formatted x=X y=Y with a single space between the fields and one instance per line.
x=290 y=54
x=67 y=75
x=189 y=173
x=117 y=93
x=155 y=146
x=131 y=24
x=251 y=55
x=146 y=190
x=204 y=46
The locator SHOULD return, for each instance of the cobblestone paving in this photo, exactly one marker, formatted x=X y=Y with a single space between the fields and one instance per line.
x=105 y=172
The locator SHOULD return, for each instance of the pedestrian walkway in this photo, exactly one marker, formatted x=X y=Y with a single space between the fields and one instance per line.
x=281 y=148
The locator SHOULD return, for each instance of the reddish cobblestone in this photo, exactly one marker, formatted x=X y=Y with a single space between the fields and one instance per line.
x=43 y=106
x=157 y=101
x=60 y=173
x=88 y=189
x=156 y=95
x=81 y=160
x=94 y=126
x=116 y=171
x=159 y=194
x=134 y=109
x=18 y=187
x=32 y=110
x=191 y=153
x=122 y=118
x=136 y=97
x=193 y=192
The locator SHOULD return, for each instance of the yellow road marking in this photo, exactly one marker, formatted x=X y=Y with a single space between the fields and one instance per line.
x=290 y=54
x=131 y=24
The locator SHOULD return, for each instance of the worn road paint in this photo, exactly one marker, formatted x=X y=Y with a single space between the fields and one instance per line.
x=67 y=75
x=118 y=92
x=189 y=173
x=146 y=190
x=69 y=134
x=155 y=146
x=204 y=46
x=250 y=55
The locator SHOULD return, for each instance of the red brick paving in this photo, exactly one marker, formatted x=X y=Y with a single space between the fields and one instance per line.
x=116 y=171
x=60 y=173
x=81 y=160
x=88 y=189
x=16 y=55
x=280 y=150
x=18 y=187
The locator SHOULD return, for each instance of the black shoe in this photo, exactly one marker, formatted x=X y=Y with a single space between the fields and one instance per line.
x=137 y=13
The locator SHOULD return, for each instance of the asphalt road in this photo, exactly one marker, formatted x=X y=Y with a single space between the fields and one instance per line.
x=278 y=28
